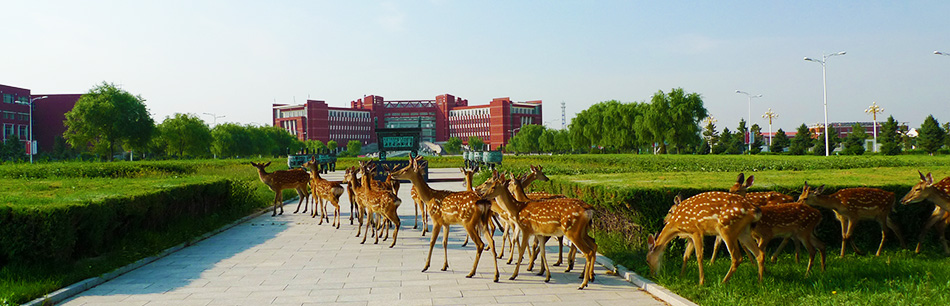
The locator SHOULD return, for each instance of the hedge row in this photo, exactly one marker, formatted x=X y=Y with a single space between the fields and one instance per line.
x=95 y=170
x=64 y=233
x=637 y=212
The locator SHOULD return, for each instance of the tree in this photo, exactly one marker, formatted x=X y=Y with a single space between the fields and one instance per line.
x=854 y=143
x=562 y=141
x=729 y=143
x=332 y=145
x=819 y=143
x=13 y=149
x=889 y=138
x=802 y=141
x=779 y=142
x=475 y=143
x=453 y=145
x=184 y=134
x=313 y=145
x=546 y=141
x=107 y=116
x=757 y=139
x=527 y=139
x=710 y=134
x=743 y=133
x=673 y=119
x=930 y=136
x=230 y=140
x=579 y=141
x=354 y=147
x=284 y=142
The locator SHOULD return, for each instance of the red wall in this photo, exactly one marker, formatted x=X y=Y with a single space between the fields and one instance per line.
x=49 y=116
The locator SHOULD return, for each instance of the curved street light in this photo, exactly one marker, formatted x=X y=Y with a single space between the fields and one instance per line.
x=750 y=115
x=32 y=146
x=824 y=86
x=941 y=53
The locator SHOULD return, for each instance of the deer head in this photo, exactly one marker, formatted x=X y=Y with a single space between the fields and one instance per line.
x=921 y=191
x=742 y=185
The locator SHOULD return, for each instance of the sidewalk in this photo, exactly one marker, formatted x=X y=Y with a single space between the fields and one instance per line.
x=290 y=260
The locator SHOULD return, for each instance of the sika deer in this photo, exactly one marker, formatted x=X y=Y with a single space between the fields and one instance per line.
x=939 y=194
x=516 y=187
x=377 y=202
x=568 y=217
x=324 y=190
x=710 y=213
x=758 y=199
x=279 y=180
x=791 y=220
x=851 y=205
x=447 y=208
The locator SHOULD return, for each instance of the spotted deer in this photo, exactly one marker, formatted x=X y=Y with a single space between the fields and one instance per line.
x=710 y=213
x=376 y=202
x=939 y=194
x=352 y=184
x=449 y=208
x=851 y=205
x=544 y=219
x=323 y=190
x=516 y=187
x=279 y=180
x=762 y=198
x=795 y=220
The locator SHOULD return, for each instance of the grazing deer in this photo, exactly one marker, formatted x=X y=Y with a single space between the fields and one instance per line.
x=279 y=180
x=796 y=220
x=710 y=213
x=762 y=198
x=447 y=208
x=851 y=205
x=376 y=202
x=323 y=190
x=544 y=219
x=939 y=194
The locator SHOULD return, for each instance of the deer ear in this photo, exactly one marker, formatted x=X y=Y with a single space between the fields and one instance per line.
x=748 y=182
x=267 y=164
x=930 y=178
x=741 y=178
x=922 y=177
x=820 y=189
x=651 y=241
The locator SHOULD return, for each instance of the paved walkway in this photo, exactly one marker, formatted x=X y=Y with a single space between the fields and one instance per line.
x=290 y=260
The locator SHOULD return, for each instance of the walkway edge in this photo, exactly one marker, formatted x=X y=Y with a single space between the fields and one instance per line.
x=647 y=285
x=69 y=291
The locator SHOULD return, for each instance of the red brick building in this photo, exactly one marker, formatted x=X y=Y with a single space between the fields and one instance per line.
x=441 y=118
x=14 y=113
x=49 y=116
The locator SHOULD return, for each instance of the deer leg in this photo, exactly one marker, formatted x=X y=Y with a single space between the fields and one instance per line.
x=897 y=231
x=533 y=253
x=698 y=247
x=544 y=258
x=514 y=240
x=466 y=241
x=571 y=256
x=844 y=235
x=745 y=238
x=366 y=232
x=941 y=234
x=560 y=251
x=491 y=243
x=316 y=207
x=396 y=222
x=277 y=202
x=445 y=247
x=300 y=202
x=415 y=217
x=353 y=210
x=521 y=247
x=479 y=246
x=581 y=241
x=781 y=246
x=686 y=255
x=715 y=251
x=504 y=240
x=435 y=236
x=934 y=218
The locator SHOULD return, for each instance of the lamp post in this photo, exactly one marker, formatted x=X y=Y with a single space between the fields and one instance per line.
x=941 y=53
x=824 y=86
x=750 y=115
x=874 y=110
x=215 y=117
x=769 y=115
x=30 y=104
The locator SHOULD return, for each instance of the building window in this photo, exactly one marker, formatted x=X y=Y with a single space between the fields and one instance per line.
x=23 y=131
x=7 y=98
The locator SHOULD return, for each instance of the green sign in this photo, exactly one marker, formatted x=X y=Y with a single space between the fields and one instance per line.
x=399 y=142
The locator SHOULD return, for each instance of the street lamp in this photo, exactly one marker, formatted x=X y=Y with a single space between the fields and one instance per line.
x=215 y=116
x=824 y=86
x=32 y=150
x=941 y=53
x=769 y=115
x=750 y=115
x=874 y=110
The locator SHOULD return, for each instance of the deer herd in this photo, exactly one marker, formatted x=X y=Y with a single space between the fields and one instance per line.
x=743 y=221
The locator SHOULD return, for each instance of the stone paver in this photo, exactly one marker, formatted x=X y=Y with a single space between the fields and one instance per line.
x=290 y=260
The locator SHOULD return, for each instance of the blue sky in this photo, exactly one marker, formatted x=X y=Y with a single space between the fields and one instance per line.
x=236 y=58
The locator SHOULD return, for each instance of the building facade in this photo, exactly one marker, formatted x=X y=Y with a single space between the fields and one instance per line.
x=441 y=118
x=15 y=109
x=49 y=117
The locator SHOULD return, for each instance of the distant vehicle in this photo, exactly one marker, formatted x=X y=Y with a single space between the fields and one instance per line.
x=325 y=160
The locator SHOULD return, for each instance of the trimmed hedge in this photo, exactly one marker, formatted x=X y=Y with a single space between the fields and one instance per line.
x=635 y=213
x=64 y=233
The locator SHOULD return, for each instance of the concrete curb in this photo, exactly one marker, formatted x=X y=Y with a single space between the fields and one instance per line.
x=647 y=285
x=69 y=291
